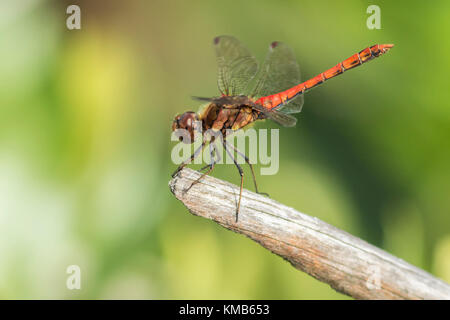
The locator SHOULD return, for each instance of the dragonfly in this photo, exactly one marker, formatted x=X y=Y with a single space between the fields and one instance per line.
x=249 y=93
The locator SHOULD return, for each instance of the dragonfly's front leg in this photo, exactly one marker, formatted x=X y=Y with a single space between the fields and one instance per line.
x=212 y=154
x=211 y=164
x=190 y=159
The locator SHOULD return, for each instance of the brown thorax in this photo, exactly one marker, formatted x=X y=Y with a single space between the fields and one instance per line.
x=229 y=113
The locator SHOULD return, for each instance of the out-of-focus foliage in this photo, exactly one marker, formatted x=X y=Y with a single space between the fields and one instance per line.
x=85 y=144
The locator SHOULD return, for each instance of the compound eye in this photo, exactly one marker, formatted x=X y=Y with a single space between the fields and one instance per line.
x=184 y=135
x=189 y=122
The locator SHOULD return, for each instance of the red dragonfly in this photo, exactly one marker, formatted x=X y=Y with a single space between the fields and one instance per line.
x=273 y=92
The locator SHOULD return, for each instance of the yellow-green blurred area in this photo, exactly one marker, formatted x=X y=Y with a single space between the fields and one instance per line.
x=85 y=149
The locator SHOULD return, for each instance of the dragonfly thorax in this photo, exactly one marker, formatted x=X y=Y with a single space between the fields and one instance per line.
x=229 y=113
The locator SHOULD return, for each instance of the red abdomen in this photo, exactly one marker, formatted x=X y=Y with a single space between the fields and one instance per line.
x=278 y=99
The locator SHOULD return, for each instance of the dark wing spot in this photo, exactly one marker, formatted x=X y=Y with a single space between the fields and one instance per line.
x=274 y=44
x=216 y=40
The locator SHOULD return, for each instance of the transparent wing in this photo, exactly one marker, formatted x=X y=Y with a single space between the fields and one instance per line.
x=279 y=72
x=236 y=65
x=281 y=118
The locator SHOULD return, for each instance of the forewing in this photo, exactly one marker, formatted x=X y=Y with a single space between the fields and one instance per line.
x=236 y=65
x=279 y=72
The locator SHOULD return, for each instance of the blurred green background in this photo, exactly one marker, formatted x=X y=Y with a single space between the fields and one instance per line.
x=85 y=146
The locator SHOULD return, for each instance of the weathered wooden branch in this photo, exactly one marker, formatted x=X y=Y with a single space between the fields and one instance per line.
x=347 y=263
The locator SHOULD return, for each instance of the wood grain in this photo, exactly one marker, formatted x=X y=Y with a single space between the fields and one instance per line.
x=347 y=263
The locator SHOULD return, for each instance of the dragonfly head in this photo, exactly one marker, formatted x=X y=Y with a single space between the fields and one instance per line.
x=187 y=122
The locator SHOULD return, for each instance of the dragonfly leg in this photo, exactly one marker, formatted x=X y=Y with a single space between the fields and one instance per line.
x=247 y=160
x=190 y=159
x=241 y=173
x=210 y=166
x=212 y=154
x=205 y=167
